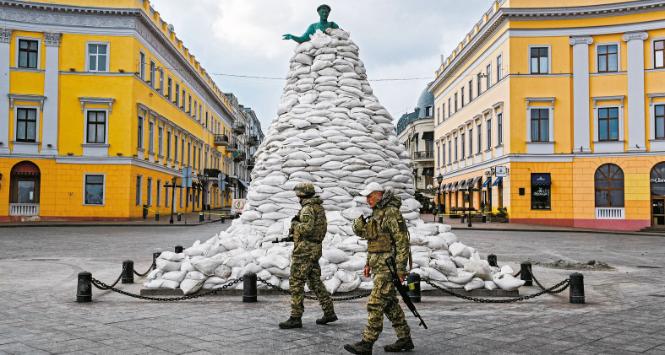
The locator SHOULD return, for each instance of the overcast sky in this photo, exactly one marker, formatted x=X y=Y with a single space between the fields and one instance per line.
x=397 y=39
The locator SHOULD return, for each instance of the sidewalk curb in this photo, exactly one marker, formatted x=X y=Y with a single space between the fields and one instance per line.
x=591 y=231
x=49 y=225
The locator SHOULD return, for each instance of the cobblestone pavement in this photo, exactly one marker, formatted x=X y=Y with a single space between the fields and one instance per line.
x=625 y=310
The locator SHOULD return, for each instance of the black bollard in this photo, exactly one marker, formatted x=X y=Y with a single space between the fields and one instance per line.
x=525 y=273
x=491 y=259
x=179 y=217
x=413 y=282
x=127 y=272
x=221 y=220
x=178 y=249
x=157 y=216
x=576 y=282
x=84 y=287
x=145 y=211
x=155 y=255
x=249 y=288
x=201 y=217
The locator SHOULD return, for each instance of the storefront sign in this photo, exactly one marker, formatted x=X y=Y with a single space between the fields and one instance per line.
x=500 y=171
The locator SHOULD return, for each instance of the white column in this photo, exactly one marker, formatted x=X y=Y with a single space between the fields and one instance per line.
x=636 y=125
x=50 y=126
x=581 y=123
x=5 y=36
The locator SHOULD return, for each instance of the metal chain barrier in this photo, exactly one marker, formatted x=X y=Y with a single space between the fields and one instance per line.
x=107 y=287
x=152 y=266
x=102 y=286
x=310 y=297
x=533 y=277
x=558 y=288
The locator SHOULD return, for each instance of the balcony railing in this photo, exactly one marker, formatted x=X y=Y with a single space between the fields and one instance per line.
x=239 y=156
x=426 y=155
x=24 y=209
x=232 y=147
x=250 y=163
x=253 y=140
x=610 y=213
x=221 y=140
x=239 y=127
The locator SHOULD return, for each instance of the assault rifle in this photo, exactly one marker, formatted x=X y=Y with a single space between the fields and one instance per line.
x=392 y=267
x=289 y=238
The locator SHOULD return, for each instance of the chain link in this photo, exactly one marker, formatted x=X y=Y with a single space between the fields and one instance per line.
x=152 y=266
x=102 y=286
x=558 y=288
x=310 y=297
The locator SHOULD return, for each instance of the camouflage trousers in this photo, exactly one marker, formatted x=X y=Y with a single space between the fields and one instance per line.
x=383 y=300
x=305 y=270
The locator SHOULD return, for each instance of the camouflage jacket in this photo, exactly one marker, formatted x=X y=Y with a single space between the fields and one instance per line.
x=310 y=228
x=386 y=220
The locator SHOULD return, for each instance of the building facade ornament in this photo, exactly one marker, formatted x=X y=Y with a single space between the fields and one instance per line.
x=580 y=40
x=52 y=39
x=5 y=35
x=634 y=36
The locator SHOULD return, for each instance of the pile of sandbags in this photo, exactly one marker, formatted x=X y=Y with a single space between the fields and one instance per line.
x=333 y=132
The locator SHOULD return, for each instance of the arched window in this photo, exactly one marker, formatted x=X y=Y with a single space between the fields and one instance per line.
x=658 y=180
x=608 y=183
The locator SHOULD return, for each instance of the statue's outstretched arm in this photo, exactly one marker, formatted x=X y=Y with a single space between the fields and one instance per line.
x=300 y=39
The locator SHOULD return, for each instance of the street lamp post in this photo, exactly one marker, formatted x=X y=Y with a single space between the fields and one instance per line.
x=441 y=209
x=469 y=196
x=172 y=186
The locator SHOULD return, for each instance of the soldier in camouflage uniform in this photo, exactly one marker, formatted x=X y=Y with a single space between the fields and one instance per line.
x=387 y=236
x=308 y=229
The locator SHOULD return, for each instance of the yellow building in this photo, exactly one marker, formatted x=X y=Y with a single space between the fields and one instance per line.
x=102 y=107
x=555 y=111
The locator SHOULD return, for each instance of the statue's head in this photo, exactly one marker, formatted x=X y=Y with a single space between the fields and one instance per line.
x=324 y=11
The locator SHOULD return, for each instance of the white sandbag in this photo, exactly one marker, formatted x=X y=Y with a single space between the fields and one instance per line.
x=250 y=268
x=195 y=275
x=335 y=256
x=281 y=273
x=187 y=265
x=450 y=238
x=446 y=266
x=479 y=267
x=328 y=271
x=213 y=281
x=367 y=285
x=434 y=274
x=223 y=271
x=189 y=286
x=349 y=286
x=490 y=285
x=507 y=282
x=208 y=265
x=332 y=284
x=171 y=256
x=195 y=250
x=156 y=283
x=264 y=275
x=474 y=284
x=459 y=249
x=353 y=264
x=507 y=270
x=462 y=277
x=345 y=276
x=436 y=242
x=460 y=261
x=166 y=265
x=170 y=284
x=154 y=274
x=174 y=275
x=274 y=260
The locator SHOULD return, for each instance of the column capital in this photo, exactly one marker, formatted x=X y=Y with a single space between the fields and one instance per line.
x=52 y=39
x=5 y=35
x=634 y=36
x=581 y=40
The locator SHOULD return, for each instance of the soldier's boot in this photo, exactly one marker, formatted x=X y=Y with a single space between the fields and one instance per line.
x=291 y=323
x=360 y=348
x=327 y=318
x=403 y=344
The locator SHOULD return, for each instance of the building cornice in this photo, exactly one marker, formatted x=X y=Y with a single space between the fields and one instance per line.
x=505 y=14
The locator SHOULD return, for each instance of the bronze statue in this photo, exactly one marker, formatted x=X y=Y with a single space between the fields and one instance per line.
x=323 y=24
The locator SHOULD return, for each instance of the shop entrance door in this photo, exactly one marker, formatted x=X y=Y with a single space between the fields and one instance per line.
x=658 y=212
x=658 y=195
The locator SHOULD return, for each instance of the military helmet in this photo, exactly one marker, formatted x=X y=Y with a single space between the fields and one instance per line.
x=304 y=189
x=323 y=6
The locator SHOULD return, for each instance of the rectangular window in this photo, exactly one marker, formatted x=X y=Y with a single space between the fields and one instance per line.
x=182 y=151
x=462 y=96
x=463 y=146
x=189 y=108
x=443 y=154
x=161 y=81
x=149 y=191
x=180 y=199
x=168 y=145
x=189 y=154
x=184 y=99
x=28 y=52
x=140 y=133
x=489 y=134
x=541 y=191
x=456 y=101
x=450 y=157
x=659 y=54
x=98 y=57
x=160 y=141
x=177 y=94
x=539 y=60
x=456 y=148
x=138 y=190
x=470 y=142
x=499 y=128
x=470 y=90
x=438 y=115
x=142 y=65
x=540 y=125
x=26 y=124
x=153 y=74
x=175 y=148
x=166 y=195
x=608 y=124
x=159 y=192
x=479 y=138
x=608 y=58
x=499 y=68
x=479 y=89
x=151 y=137
x=96 y=127
x=169 y=87
x=443 y=112
x=450 y=107
x=488 y=76
x=94 y=190
x=660 y=121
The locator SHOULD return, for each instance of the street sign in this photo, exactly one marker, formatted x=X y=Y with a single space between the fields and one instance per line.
x=187 y=177
x=221 y=181
x=500 y=171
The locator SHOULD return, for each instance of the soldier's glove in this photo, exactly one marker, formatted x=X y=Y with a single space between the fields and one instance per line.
x=402 y=276
x=367 y=271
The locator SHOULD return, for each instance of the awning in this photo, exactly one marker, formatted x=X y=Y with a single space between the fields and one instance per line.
x=475 y=181
x=541 y=180
x=245 y=184
x=453 y=187
x=445 y=187
x=487 y=181
x=462 y=185
x=498 y=181
x=428 y=136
